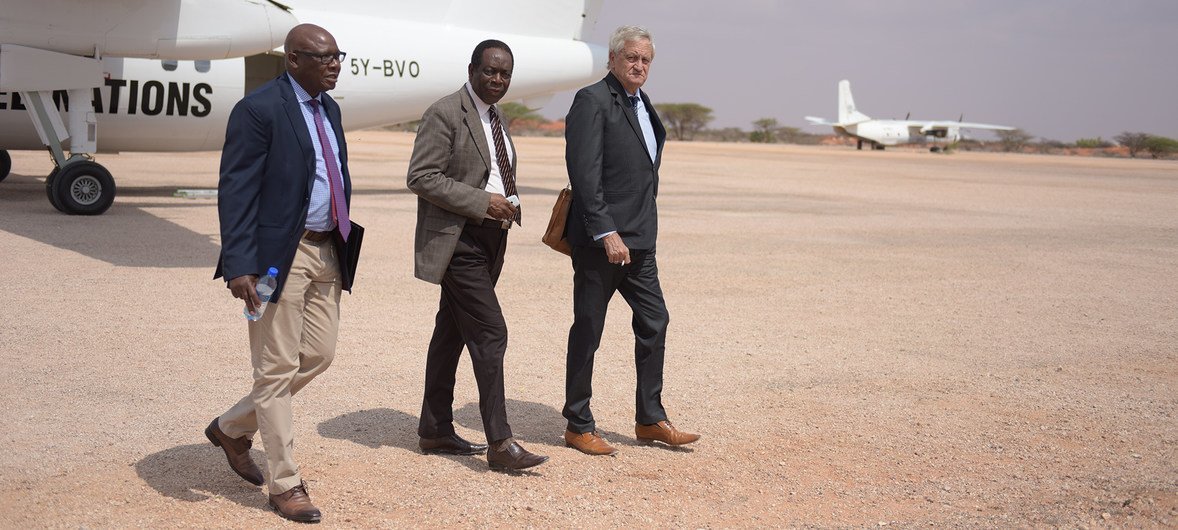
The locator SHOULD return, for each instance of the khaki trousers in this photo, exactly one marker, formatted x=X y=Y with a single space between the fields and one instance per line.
x=293 y=342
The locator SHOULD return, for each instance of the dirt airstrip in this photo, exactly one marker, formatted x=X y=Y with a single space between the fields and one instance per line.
x=864 y=338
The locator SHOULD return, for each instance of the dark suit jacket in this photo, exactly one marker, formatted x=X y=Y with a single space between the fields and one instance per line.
x=448 y=171
x=614 y=181
x=267 y=171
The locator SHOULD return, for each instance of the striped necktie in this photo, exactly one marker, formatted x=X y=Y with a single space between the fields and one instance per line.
x=505 y=169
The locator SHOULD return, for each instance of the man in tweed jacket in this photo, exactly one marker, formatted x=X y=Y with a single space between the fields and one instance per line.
x=463 y=172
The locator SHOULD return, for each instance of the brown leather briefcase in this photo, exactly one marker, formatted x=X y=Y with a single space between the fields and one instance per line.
x=554 y=235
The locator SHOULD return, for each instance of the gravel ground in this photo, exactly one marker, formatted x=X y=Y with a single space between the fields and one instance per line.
x=863 y=338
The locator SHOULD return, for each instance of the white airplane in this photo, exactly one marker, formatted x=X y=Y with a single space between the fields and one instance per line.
x=880 y=133
x=162 y=75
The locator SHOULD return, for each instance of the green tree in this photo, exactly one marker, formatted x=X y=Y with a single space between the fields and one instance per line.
x=684 y=119
x=1014 y=140
x=1097 y=142
x=515 y=111
x=1135 y=142
x=794 y=135
x=764 y=131
x=1160 y=146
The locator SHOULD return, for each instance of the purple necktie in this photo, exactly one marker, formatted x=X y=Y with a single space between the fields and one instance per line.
x=339 y=206
x=505 y=169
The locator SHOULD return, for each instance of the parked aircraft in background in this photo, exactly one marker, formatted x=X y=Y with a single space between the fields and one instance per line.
x=880 y=133
x=163 y=75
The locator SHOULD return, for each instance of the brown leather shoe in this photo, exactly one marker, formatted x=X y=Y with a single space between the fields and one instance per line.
x=451 y=445
x=507 y=455
x=589 y=443
x=237 y=451
x=295 y=504
x=664 y=432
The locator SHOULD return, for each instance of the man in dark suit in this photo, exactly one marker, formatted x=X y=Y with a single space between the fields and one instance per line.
x=463 y=172
x=283 y=202
x=614 y=142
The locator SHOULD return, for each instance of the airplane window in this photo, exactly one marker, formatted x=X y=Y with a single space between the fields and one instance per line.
x=203 y=66
x=169 y=65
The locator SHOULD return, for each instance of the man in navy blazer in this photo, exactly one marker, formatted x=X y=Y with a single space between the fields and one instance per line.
x=613 y=148
x=283 y=202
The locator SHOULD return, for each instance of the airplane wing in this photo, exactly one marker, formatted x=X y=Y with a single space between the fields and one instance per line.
x=928 y=126
x=153 y=29
x=819 y=121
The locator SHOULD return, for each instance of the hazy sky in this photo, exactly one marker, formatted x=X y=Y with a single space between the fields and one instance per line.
x=1059 y=69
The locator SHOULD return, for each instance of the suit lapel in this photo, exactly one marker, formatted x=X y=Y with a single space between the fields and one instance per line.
x=660 y=133
x=622 y=100
x=294 y=113
x=514 y=159
x=474 y=125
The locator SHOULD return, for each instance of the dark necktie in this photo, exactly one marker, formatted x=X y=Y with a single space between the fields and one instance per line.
x=339 y=206
x=634 y=103
x=505 y=169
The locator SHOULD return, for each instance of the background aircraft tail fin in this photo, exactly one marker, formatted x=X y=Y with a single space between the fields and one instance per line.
x=848 y=114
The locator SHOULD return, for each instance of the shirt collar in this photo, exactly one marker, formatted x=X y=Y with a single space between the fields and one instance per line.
x=478 y=103
x=300 y=93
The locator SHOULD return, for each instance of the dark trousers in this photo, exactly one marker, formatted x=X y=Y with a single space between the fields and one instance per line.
x=468 y=315
x=594 y=281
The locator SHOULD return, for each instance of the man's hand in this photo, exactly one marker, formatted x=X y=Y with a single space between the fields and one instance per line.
x=500 y=209
x=246 y=288
x=615 y=250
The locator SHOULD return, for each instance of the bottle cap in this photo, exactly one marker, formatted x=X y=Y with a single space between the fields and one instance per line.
x=273 y=272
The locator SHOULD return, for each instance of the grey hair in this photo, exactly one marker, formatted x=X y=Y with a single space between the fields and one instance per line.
x=625 y=34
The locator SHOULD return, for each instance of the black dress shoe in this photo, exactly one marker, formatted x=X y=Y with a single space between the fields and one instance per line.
x=512 y=457
x=451 y=445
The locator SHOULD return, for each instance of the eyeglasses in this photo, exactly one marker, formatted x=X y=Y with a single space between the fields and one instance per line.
x=490 y=72
x=324 y=58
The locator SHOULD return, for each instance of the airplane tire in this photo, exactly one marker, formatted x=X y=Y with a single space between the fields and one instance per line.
x=5 y=164
x=51 y=190
x=84 y=188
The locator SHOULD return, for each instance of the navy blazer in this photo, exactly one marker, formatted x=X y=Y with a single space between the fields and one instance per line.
x=267 y=171
x=614 y=181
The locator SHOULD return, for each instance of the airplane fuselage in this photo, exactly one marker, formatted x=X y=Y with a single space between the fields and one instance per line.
x=896 y=132
x=393 y=71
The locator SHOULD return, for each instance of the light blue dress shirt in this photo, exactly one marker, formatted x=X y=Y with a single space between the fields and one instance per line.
x=319 y=213
x=647 y=128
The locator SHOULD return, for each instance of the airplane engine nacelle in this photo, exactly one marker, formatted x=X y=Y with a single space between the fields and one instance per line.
x=195 y=29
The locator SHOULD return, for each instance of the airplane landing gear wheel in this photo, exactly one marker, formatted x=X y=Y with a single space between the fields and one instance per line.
x=51 y=190
x=84 y=188
x=5 y=164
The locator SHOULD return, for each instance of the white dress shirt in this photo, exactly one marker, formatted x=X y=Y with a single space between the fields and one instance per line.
x=495 y=180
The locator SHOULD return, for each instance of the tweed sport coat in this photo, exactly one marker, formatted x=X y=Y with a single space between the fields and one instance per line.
x=448 y=171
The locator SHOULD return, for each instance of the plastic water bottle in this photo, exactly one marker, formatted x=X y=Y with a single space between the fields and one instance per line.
x=266 y=286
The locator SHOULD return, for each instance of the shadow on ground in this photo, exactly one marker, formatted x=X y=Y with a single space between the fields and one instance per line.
x=373 y=428
x=125 y=235
x=197 y=472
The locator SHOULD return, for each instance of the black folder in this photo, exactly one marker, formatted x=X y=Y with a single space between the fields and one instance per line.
x=349 y=255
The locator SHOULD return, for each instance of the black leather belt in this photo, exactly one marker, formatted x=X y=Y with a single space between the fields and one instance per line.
x=495 y=223
x=316 y=237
